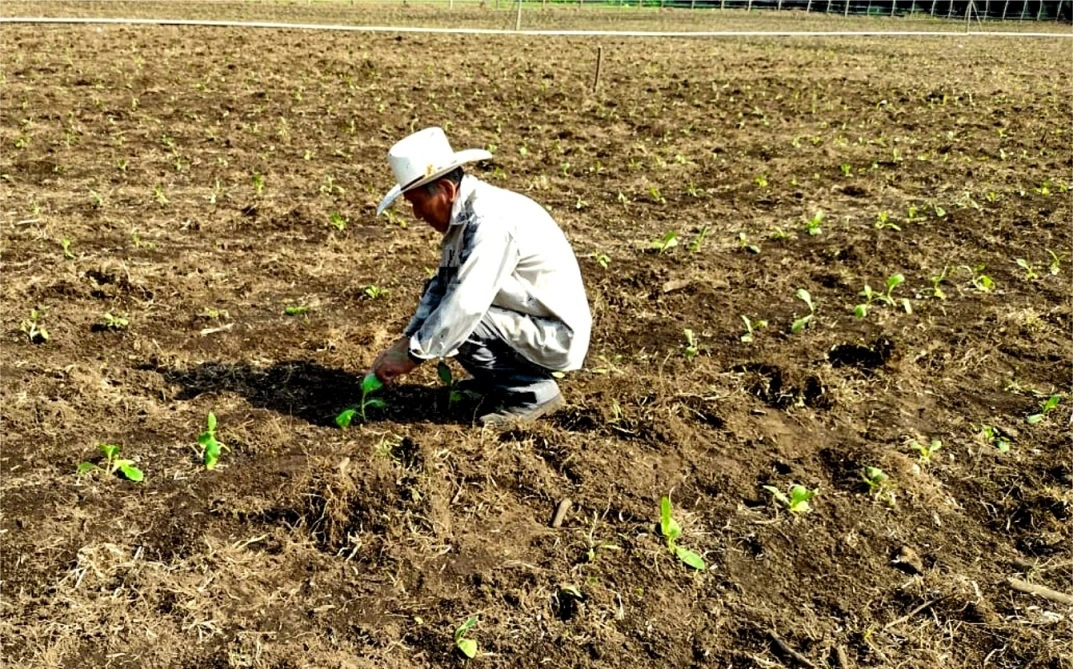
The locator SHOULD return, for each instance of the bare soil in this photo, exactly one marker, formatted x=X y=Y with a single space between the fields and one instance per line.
x=195 y=174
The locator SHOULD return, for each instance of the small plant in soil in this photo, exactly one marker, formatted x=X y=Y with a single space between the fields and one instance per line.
x=671 y=530
x=691 y=349
x=1045 y=408
x=937 y=279
x=602 y=259
x=751 y=328
x=65 y=244
x=369 y=385
x=1055 y=266
x=883 y=221
x=112 y=464
x=665 y=243
x=464 y=644
x=114 y=322
x=337 y=221
x=813 y=225
x=925 y=451
x=258 y=183
x=210 y=446
x=743 y=243
x=995 y=438
x=373 y=291
x=698 y=241
x=879 y=484
x=32 y=327
x=797 y=501
x=296 y=310
x=1030 y=272
x=802 y=323
x=980 y=281
x=444 y=372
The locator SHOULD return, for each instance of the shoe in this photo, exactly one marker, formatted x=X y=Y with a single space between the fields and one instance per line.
x=523 y=412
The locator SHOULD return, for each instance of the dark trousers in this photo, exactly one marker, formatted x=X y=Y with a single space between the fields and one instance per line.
x=499 y=369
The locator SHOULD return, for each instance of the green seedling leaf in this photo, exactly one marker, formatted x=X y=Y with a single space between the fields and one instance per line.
x=444 y=372
x=779 y=495
x=370 y=384
x=85 y=468
x=895 y=281
x=907 y=305
x=210 y=422
x=1051 y=403
x=800 y=324
x=468 y=647
x=296 y=311
x=132 y=473
x=875 y=475
x=344 y=419
x=668 y=526
x=375 y=403
x=109 y=450
x=689 y=557
x=1034 y=418
x=805 y=297
x=860 y=311
x=799 y=498
x=212 y=453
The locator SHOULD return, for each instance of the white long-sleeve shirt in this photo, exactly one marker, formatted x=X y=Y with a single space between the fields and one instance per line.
x=505 y=257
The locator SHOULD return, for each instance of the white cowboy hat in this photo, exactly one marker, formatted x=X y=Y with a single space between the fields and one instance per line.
x=423 y=157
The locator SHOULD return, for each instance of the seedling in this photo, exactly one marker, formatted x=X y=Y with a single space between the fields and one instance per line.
x=65 y=243
x=936 y=291
x=603 y=260
x=1030 y=273
x=258 y=183
x=802 y=323
x=691 y=349
x=878 y=483
x=657 y=197
x=743 y=242
x=158 y=194
x=695 y=245
x=296 y=310
x=210 y=447
x=337 y=221
x=667 y=242
x=1055 y=267
x=797 y=502
x=466 y=646
x=847 y=169
x=926 y=451
x=883 y=221
x=671 y=530
x=861 y=310
x=1045 y=408
x=369 y=385
x=113 y=322
x=750 y=329
x=374 y=291
x=939 y=211
x=112 y=464
x=761 y=181
x=992 y=436
x=33 y=328
x=980 y=281
x=444 y=372
x=813 y=225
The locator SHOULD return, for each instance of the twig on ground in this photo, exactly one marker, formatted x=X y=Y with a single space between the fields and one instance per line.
x=841 y=660
x=560 y=513
x=909 y=615
x=784 y=649
x=1040 y=591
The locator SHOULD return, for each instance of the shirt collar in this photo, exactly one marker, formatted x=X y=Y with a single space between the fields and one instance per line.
x=465 y=193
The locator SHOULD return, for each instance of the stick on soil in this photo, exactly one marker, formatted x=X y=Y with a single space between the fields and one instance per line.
x=560 y=513
x=784 y=649
x=1040 y=591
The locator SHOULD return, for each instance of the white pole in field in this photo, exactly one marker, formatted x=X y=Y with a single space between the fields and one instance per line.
x=828 y=10
x=518 y=21
x=846 y=13
x=933 y=3
x=1004 y=8
x=808 y=7
x=1058 y=11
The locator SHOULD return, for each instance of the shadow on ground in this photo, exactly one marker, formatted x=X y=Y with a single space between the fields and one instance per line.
x=312 y=392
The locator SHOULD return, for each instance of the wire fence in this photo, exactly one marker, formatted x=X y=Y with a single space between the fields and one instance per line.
x=663 y=15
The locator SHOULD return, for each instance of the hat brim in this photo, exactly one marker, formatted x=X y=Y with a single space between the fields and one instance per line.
x=460 y=158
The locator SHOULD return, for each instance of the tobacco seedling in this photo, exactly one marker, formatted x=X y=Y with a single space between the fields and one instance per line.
x=1055 y=267
x=466 y=646
x=369 y=385
x=32 y=327
x=980 y=281
x=671 y=530
x=656 y=196
x=296 y=310
x=743 y=242
x=667 y=242
x=883 y=221
x=695 y=245
x=1030 y=273
x=210 y=447
x=112 y=464
x=802 y=323
x=65 y=243
x=603 y=260
x=1046 y=407
x=847 y=169
x=444 y=372
x=113 y=322
x=994 y=437
x=750 y=329
x=878 y=482
x=797 y=502
x=258 y=183
x=691 y=350
x=936 y=291
x=861 y=310
x=813 y=225
x=926 y=451
x=337 y=221
x=373 y=291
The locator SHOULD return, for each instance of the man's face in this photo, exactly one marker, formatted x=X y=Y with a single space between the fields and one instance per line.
x=433 y=208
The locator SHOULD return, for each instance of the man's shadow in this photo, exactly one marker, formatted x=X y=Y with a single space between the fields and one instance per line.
x=313 y=392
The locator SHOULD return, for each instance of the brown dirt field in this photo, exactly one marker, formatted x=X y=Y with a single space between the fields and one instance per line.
x=310 y=546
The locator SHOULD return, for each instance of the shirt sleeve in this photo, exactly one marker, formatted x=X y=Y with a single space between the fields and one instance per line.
x=489 y=257
x=430 y=299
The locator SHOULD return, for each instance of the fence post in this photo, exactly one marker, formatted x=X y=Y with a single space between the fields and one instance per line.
x=692 y=4
x=518 y=21
x=722 y=4
x=1040 y=13
x=933 y=3
x=779 y=6
x=828 y=10
x=893 y=6
x=846 y=13
x=1004 y=8
x=1024 y=9
x=808 y=7
x=1058 y=11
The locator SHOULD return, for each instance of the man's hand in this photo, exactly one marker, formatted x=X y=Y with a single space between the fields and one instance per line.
x=394 y=361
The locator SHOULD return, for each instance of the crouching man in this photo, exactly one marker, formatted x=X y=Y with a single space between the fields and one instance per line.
x=507 y=301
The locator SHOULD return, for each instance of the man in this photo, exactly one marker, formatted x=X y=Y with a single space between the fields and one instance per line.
x=507 y=302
